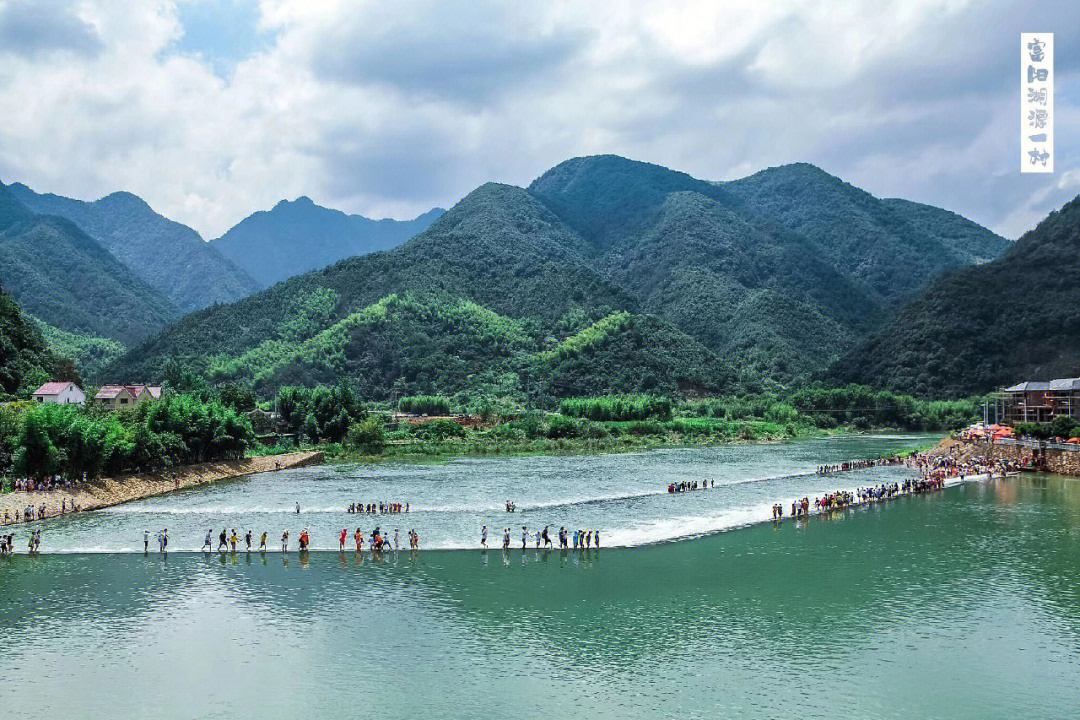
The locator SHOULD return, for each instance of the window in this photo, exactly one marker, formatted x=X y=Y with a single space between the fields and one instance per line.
x=123 y=401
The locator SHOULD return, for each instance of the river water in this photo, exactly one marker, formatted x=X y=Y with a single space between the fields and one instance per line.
x=959 y=604
x=624 y=496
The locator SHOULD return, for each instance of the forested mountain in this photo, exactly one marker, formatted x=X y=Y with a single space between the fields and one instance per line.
x=61 y=275
x=166 y=255
x=894 y=246
x=712 y=281
x=25 y=362
x=298 y=236
x=1013 y=319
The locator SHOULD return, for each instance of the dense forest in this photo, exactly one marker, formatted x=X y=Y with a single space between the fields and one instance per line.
x=664 y=282
x=1013 y=319
x=25 y=360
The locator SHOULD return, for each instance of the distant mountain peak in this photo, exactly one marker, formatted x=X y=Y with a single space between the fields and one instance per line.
x=124 y=196
x=302 y=202
x=300 y=235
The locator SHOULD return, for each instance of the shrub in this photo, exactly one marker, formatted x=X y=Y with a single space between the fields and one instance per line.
x=438 y=430
x=424 y=405
x=368 y=434
x=560 y=426
x=781 y=413
x=618 y=407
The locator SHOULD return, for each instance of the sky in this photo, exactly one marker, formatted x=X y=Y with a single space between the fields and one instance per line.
x=213 y=109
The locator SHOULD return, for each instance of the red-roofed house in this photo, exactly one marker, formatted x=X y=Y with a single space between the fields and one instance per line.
x=122 y=397
x=62 y=393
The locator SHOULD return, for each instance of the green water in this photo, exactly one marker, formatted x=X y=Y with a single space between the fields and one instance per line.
x=963 y=604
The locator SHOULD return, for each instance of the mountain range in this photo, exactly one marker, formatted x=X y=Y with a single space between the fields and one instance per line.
x=61 y=275
x=298 y=236
x=605 y=274
x=100 y=275
x=1013 y=319
x=166 y=255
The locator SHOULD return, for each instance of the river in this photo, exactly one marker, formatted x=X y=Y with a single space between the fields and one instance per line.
x=958 y=604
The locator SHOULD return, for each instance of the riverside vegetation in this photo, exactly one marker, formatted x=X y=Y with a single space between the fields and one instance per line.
x=334 y=420
x=84 y=443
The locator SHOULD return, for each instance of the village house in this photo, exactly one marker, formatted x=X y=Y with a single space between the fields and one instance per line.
x=122 y=397
x=1038 y=402
x=61 y=393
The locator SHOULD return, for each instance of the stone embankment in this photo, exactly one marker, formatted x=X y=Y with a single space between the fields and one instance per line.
x=125 y=488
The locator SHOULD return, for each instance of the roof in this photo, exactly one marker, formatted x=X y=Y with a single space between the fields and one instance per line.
x=108 y=392
x=54 y=388
x=1062 y=384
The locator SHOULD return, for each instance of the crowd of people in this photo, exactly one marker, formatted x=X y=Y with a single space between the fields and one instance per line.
x=382 y=508
x=55 y=483
x=39 y=512
x=859 y=465
x=689 y=486
x=581 y=539
x=934 y=470
x=229 y=541
x=949 y=466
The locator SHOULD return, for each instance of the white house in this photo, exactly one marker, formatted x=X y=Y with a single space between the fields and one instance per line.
x=62 y=393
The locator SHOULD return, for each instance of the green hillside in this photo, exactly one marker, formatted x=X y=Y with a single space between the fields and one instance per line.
x=416 y=344
x=298 y=236
x=626 y=353
x=1015 y=318
x=720 y=286
x=89 y=353
x=895 y=246
x=166 y=255
x=61 y=275
x=498 y=247
x=25 y=361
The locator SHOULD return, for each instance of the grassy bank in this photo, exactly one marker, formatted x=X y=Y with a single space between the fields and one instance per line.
x=605 y=437
x=422 y=427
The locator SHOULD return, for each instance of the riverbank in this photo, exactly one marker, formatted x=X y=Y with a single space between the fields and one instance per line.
x=125 y=488
x=616 y=439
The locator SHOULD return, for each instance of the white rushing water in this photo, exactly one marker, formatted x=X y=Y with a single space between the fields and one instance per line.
x=623 y=496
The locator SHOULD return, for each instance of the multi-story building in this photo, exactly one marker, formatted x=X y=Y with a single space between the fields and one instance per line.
x=1038 y=402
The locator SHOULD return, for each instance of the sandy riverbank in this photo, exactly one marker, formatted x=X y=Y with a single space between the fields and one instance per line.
x=125 y=488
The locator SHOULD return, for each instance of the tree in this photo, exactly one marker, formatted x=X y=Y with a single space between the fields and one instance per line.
x=368 y=435
x=1063 y=426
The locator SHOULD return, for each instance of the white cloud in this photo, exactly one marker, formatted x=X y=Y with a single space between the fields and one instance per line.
x=389 y=109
